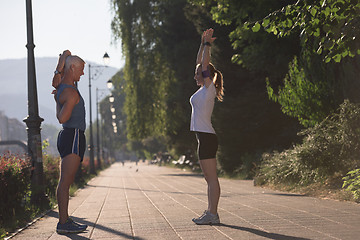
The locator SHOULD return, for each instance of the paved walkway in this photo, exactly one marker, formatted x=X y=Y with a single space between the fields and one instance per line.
x=151 y=202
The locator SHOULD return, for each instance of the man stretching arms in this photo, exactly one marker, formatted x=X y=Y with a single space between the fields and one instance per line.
x=70 y=111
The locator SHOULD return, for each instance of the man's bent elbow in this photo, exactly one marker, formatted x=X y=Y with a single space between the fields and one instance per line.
x=62 y=120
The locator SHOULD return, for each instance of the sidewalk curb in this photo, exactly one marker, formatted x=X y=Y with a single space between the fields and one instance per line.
x=41 y=215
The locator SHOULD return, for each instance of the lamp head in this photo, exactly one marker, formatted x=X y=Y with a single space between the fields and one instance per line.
x=109 y=84
x=111 y=98
x=106 y=59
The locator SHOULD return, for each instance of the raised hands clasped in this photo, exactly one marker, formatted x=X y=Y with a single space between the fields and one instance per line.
x=208 y=35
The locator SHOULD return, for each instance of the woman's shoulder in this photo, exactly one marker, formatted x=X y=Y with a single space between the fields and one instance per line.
x=208 y=82
x=209 y=85
x=210 y=90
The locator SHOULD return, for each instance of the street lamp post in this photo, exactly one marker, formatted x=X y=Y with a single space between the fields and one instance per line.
x=33 y=120
x=91 y=145
x=98 y=142
x=97 y=130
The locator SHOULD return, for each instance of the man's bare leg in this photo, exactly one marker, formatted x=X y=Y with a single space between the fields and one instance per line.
x=68 y=168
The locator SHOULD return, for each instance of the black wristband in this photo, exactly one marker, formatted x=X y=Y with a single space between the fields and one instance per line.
x=207 y=44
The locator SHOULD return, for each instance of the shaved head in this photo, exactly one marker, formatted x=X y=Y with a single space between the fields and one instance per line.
x=73 y=60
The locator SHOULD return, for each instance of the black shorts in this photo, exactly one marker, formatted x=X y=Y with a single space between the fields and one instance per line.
x=207 y=145
x=71 y=140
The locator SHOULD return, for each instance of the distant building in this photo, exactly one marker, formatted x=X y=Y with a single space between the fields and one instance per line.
x=11 y=129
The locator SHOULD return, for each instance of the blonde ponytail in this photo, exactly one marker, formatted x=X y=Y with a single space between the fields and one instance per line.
x=218 y=81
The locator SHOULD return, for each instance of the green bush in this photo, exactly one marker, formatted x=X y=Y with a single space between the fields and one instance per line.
x=334 y=144
x=302 y=97
x=14 y=184
x=286 y=167
x=352 y=183
x=329 y=147
x=16 y=208
x=51 y=171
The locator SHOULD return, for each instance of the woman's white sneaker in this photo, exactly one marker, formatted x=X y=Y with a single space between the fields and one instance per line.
x=207 y=218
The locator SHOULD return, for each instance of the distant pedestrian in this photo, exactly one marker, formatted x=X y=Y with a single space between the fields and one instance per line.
x=202 y=102
x=70 y=111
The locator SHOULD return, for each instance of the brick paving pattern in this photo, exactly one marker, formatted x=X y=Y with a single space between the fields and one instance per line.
x=151 y=202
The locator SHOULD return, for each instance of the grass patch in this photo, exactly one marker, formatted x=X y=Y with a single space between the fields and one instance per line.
x=329 y=189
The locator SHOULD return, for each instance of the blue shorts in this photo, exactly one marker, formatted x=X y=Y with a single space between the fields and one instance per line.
x=207 y=145
x=71 y=140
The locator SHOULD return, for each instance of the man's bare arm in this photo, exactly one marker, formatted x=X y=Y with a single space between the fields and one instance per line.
x=60 y=68
x=68 y=98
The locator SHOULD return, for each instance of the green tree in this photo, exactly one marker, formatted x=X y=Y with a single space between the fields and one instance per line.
x=313 y=86
x=247 y=123
x=256 y=51
x=303 y=97
x=111 y=140
x=316 y=86
x=157 y=43
x=135 y=23
x=160 y=40
x=333 y=23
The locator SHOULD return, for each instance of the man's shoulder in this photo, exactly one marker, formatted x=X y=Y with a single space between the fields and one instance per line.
x=69 y=93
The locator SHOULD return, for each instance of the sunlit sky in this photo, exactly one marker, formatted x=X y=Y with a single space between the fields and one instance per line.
x=82 y=26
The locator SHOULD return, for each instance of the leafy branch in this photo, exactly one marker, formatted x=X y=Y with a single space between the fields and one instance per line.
x=333 y=23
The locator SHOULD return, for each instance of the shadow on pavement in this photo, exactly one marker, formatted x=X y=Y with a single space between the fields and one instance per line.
x=258 y=232
x=262 y=233
x=75 y=236
x=183 y=175
x=145 y=190
x=91 y=224
x=287 y=194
